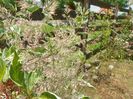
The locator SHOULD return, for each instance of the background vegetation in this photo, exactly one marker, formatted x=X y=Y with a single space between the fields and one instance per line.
x=56 y=49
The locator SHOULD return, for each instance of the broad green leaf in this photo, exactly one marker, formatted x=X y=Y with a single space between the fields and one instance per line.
x=85 y=97
x=47 y=28
x=16 y=73
x=33 y=8
x=2 y=69
x=8 y=52
x=31 y=79
x=7 y=75
x=16 y=59
x=27 y=82
x=48 y=95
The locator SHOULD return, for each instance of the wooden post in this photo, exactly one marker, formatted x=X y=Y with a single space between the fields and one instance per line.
x=130 y=11
x=116 y=10
x=86 y=4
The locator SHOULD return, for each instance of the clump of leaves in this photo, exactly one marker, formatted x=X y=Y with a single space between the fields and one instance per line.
x=48 y=29
x=25 y=80
x=49 y=95
x=11 y=69
x=11 y=5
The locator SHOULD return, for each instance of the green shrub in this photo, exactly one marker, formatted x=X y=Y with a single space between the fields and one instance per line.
x=11 y=5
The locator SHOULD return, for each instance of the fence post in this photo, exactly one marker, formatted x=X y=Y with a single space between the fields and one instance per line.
x=116 y=10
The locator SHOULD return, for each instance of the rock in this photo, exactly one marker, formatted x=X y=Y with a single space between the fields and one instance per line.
x=87 y=66
x=111 y=67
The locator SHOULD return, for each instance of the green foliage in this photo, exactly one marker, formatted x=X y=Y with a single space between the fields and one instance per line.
x=2 y=69
x=33 y=8
x=121 y=3
x=47 y=28
x=94 y=35
x=26 y=80
x=108 y=36
x=85 y=97
x=1 y=27
x=6 y=59
x=82 y=15
x=11 y=35
x=93 y=47
x=16 y=74
x=11 y=5
x=30 y=80
x=38 y=51
x=11 y=68
x=48 y=95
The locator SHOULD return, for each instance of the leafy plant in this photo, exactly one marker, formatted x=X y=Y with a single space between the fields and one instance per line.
x=26 y=80
x=82 y=15
x=48 y=95
x=2 y=69
x=11 y=68
x=48 y=29
x=32 y=8
x=6 y=59
x=10 y=5
x=12 y=34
